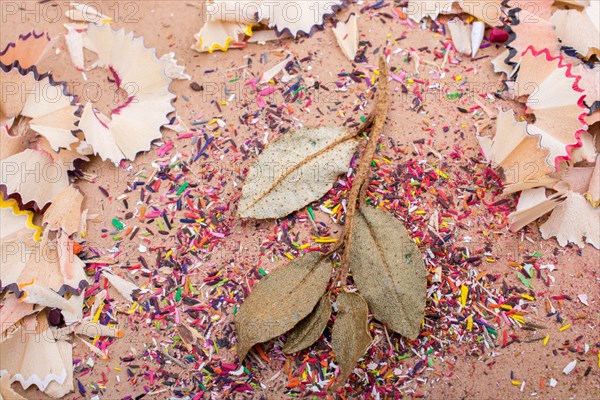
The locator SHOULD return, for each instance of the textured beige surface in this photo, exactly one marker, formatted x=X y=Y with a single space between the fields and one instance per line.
x=170 y=26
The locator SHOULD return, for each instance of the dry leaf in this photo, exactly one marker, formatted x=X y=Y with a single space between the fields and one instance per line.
x=572 y=220
x=346 y=34
x=280 y=300
x=295 y=170
x=309 y=330
x=388 y=270
x=580 y=29
x=350 y=336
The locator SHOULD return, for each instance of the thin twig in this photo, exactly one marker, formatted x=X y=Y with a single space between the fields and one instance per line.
x=359 y=188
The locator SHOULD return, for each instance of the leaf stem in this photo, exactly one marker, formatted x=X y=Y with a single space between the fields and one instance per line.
x=359 y=188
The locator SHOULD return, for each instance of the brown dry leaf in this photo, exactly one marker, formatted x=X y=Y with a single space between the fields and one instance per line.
x=296 y=170
x=280 y=300
x=309 y=330
x=389 y=271
x=579 y=29
x=350 y=336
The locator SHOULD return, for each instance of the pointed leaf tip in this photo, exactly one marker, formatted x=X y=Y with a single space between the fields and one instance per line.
x=281 y=300
x=389 y=271
x=350 y=336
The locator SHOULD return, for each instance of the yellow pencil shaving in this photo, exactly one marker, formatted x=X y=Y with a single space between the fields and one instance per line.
x=518 y=318
x=564 y=328
x=325 y=240
x=464 y=292
x=96 y=316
